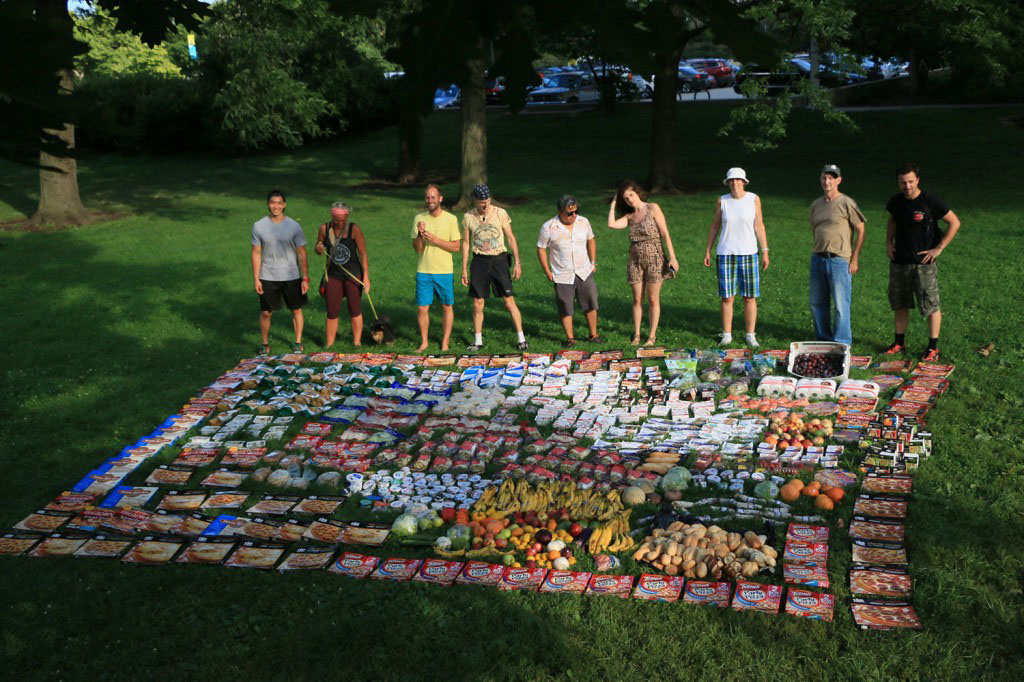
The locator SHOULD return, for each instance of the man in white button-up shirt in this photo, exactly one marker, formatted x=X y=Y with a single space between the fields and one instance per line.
x=567 y=253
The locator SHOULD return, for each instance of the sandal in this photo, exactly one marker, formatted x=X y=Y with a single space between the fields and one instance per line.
x=635 y=341
x=264 y=349
x=297 y=347
x=650 y=342
x=595 y=339
x=569 y=343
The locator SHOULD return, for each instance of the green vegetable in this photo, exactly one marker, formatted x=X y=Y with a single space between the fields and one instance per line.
x=677 y=478
x=405 y=525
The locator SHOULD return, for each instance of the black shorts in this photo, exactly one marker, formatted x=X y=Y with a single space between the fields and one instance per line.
x=488 y=273
x=289 y=290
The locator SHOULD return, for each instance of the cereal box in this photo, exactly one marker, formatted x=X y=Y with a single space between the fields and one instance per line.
x=610 y=585
x=480 y=573
x=566 y=582
x=655 y=587
x=803 y=533
x=522 y=578
x=438 y=571
x=757 y=597
x=354 y=565
x=805 y=552
x=807 y=604
x=707 y=593
x=396 y=569
x=805 y=574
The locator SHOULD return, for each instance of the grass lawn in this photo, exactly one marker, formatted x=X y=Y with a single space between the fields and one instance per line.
x=112 y=327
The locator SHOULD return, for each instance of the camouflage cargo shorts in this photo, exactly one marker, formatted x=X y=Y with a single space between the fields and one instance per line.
x=910 y=281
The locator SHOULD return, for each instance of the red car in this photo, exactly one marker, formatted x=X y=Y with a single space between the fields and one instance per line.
x=721 y=69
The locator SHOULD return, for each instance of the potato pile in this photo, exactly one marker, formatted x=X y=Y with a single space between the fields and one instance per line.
x=706 y=552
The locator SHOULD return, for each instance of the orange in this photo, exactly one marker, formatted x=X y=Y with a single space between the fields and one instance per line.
x=789 y=493
x=554 y=554
x=824 y=502
x=810 y=491
x=836 y=493
x=796 y=483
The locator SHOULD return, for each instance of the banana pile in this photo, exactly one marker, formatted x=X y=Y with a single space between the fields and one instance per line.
x=612 y=536
x=510 y=497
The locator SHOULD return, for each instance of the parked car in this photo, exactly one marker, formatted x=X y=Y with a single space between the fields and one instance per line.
x=721 y=69
x=494 y=89
x=791 y=73
x=876 y=68
x=692 y=80
x=566 y=87
x=447 y=97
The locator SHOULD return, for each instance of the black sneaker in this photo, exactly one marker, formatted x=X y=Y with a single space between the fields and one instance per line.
x=522 y=346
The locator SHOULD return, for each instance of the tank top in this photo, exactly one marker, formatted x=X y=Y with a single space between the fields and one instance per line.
x=344 y=254
x=645 y=229
x=737 y=237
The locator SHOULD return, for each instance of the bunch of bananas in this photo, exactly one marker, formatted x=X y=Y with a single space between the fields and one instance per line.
x=612 y=536
x=519 y=496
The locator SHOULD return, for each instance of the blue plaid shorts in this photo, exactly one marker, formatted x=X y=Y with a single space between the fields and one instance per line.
x=739 y=274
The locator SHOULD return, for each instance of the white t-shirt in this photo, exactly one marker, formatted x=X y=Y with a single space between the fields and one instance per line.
x=737 y=237
x=567 y=249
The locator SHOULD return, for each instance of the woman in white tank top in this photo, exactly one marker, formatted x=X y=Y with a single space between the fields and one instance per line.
x=738 y=219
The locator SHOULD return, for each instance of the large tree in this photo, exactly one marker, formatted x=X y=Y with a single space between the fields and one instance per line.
x=37 y=82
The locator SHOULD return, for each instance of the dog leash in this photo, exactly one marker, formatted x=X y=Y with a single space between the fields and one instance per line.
x=372 y=308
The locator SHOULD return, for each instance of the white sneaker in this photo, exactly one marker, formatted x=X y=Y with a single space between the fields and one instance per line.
x=752 y=340
x=725 y=338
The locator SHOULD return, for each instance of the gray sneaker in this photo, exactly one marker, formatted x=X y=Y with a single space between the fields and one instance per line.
x=725 y=338
x=522 y=346
x=752 y=340
x=474 y=347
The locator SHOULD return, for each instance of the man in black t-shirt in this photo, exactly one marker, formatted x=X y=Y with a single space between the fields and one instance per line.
x=913 y=243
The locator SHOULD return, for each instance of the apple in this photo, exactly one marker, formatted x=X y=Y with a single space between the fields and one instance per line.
x=575 y=530
x=478 y=541
x=566 y=552
x=500 y=543
x=530 y=563
x=537 y=547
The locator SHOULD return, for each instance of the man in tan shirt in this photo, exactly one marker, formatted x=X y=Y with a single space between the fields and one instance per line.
x=837 y=226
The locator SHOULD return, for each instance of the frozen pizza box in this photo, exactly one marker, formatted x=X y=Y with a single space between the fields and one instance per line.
x=44 y=520
x=291 y=530
x=16 y=543
x=319 y=504
x=887 y=484
x=801 y=532
x=707 y=593
x=128 y=496
x=63 y=543
x=879 y=553
x=480 y=573
x=170 y=475
x=207 y=550
x=397 y=569
x=805 y=574
x=91 y=519
x=256 y=554
x=193 y=524
x=196 y=457
x=105 y=546
x=887 y=530
x=797 y=552
x=183 y=500
x=566 y=582
x=365 y=533
x=308 y=559
x=72 y=502
x=438 y=571
x=876 y=614
x=224 y=478
x=812 y=605
x=610 y=585
x=260 y=528
x=325 y=529
x=882 y=506
x=162 y=521
x=528 y=579
x=273 y=505
x=880 y=581
x=153 y=550
x=225 y=500
x=243 y=458
x=757 y=597
x=656 y=587
x=354 y=565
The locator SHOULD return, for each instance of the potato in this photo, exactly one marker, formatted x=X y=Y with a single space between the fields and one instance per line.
x=703 y=542
x=672 y=570
x=653 y=554
x=690 y=541
x=700 y=554
x=688 y=552
x=672 y=548
x=750 y=569
x=701 y=570
x=714 y=529
x=752 y=540
x=677 y=560
x=658 y=565
x=734 y=541
x=720 y=550
x=640 y=553
x=770 y=551
x=678 y=537
x=688 y=564
x=674 y=526
x=658 y=532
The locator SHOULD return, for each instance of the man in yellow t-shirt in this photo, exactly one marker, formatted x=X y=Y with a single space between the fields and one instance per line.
x=435 y=237
x=485 y=229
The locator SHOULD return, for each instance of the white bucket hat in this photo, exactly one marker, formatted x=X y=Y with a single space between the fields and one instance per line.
x=735 y=173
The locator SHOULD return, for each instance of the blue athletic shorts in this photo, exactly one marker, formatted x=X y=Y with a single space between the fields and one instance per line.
x=429 y=285
x=739 y=274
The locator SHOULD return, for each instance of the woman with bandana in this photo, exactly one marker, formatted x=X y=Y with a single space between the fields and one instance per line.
x=348 y=271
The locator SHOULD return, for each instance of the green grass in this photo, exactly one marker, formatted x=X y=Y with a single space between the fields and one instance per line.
x=111 y=327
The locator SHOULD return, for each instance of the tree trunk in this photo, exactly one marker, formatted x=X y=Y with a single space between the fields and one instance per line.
x=59 y=201
x=474 y=129
x=410 y=136
x=815 y=60
x=918 y=74
x=662 y=173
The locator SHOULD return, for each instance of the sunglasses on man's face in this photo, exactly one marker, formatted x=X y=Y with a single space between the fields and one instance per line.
x=572 y=212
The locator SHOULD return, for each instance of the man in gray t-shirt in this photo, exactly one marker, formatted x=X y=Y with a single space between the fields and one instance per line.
x=279 y=268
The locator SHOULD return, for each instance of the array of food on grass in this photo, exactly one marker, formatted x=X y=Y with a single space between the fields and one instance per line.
x=707 y=476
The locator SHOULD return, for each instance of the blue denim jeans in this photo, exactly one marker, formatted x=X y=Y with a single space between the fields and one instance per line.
x=831 y=284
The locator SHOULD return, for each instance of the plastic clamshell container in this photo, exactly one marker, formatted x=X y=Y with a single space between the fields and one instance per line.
x=820 y=348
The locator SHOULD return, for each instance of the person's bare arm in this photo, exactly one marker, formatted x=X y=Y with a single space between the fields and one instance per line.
x=418 y=243
x=542 y=256
x=659 y=220
x=716 y=225
x=890 y=236
x=360 y=240
x=613 y=223
x=319 y=248
x=513 y=246
x=257 y=259
x=452 y=246
x=592 y=251
x=854 y=262
x=300 y=252
x=931 y=255
x=465 y=256
x=761 y=233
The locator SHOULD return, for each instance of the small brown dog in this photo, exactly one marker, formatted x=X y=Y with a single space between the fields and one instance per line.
x=381 y=331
